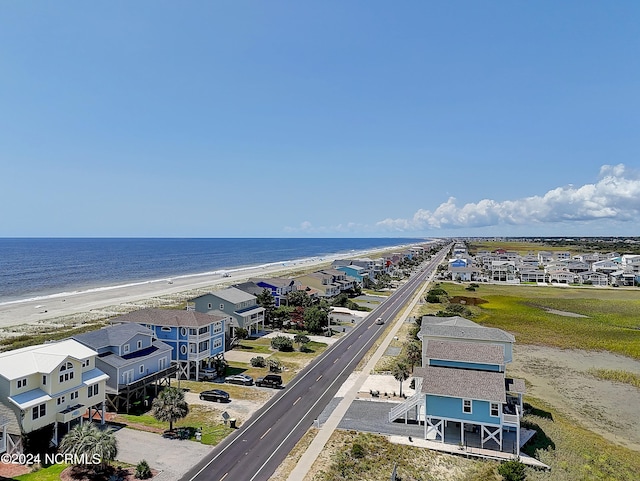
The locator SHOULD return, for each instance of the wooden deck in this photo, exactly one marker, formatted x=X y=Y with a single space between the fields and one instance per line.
x=467 y=450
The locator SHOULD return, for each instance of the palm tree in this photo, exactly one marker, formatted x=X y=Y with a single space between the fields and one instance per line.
x=413 y=354
x=170 y=406
x=401 y=372
x=86 y=442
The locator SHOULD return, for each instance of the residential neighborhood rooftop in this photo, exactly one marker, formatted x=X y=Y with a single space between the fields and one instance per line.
x=171 y=317
x=462 y=383
x=465 y=351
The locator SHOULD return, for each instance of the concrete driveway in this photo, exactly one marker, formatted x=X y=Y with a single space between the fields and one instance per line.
x=171 y=457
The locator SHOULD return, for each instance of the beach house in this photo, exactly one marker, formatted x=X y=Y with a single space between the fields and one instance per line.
x=240 y=308
x=46 y=389
x=462 y=394
x=196 y=339
x=135 y=360
x=278 y=286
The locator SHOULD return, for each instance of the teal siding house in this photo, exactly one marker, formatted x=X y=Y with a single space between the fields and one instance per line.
x=462 y=394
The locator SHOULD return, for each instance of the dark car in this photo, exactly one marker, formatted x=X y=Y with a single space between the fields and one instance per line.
x=239 y=379
x=270 y=380
x=216 y=395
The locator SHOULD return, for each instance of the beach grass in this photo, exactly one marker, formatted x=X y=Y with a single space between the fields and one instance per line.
x=616 y=375
x=610 y=321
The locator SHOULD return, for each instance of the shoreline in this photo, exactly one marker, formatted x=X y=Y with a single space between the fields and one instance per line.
x=48 y=308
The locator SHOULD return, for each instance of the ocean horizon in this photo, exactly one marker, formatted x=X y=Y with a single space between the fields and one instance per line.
x=40 y=268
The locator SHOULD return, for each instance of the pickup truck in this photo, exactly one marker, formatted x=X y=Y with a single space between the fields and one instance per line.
x=270 y=380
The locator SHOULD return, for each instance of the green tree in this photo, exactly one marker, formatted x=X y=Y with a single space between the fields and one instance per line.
x=512 y=470
x=88 y=442
x=315 y=318
x=282 y=343
x=401 y=373
x=301 y=340
x=170 y=406
x=265 y=299
x=241 y=333
x=281 y=315
x=413 y=354
x=299 y=299
x=143 y=471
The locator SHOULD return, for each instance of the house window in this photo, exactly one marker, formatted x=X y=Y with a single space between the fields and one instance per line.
x=209 y=306
x=44 y=380
x=85 y=363
x=466 y=406
x=74 y=395
x=66 y=372
x=139 y=345
x=183 y=349
x=39 y=411
x=217 y=343
x=217 y=327
x=183 y=331
x=61 y=400
x=141 y=369
x=166 y=329
x=93 y=390
x=495 y=410
x=203 y=330
x=222 y=307
x=125 y=348
x=192 y=332
x=22 y=382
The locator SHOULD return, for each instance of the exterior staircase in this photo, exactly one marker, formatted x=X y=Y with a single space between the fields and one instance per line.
x=403 y=408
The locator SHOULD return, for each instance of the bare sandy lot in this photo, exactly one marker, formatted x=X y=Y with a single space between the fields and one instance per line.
x=561 y=378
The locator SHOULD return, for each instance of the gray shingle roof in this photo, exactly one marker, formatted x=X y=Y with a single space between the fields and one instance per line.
x=460 y=328
x=233 y=295
x=465 y=351
x=170 y=317
x=112 y=335
x=462 y=383
x=515 y=385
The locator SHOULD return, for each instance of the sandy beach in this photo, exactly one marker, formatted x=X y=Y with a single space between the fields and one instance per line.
x=84 y=306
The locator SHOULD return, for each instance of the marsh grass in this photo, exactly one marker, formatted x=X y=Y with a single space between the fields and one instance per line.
x=611 y=322
x=615 y=375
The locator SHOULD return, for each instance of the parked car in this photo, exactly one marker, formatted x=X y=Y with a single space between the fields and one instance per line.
x=207 y=374
x=216 y=395
x=379 y=320
x=270 y=380
x=239 y=379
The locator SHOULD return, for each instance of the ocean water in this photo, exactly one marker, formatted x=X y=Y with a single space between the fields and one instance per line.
x=38 y=267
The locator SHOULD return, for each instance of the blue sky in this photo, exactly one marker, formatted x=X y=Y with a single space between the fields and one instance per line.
x=321 y=119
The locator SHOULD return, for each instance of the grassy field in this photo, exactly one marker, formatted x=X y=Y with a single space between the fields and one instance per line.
x=611 y=321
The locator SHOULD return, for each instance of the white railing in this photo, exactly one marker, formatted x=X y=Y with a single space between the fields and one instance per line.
x=402 y=408
x=512 y=418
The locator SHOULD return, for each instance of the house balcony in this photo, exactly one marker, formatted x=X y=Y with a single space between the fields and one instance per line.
x=149 y=378
x=70 y=413
x=511 y=415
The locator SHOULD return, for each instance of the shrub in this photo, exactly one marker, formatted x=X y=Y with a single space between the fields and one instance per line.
x=258 y=361
x=143 y=471
x=512 y=471
x=282 y=343
x=357 y=451
x=274 y=365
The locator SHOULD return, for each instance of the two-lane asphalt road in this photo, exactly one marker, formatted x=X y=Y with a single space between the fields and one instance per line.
x=255 y=451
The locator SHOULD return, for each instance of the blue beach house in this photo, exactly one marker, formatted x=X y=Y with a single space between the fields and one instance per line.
x=134 y=359
x=462 y=394
x=241 y=309
x=196 y=339
x=356 y=272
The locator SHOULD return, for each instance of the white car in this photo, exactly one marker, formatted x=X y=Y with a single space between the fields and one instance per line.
x=207 y=374
x=379 y=321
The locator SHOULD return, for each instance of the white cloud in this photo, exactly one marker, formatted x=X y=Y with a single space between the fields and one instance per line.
x=615 y=196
